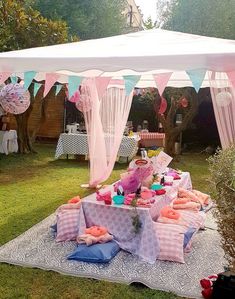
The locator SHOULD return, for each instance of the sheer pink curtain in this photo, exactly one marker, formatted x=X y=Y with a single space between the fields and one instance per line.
x=105 y=120
x=223 y=99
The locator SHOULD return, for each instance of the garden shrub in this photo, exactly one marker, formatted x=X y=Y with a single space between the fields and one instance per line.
x=222 y=169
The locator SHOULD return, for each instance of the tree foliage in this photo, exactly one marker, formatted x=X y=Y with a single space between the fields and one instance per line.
x=222 y=170
x=149 y=24
x=87 y=19
x=204 y=17
x=23 y=27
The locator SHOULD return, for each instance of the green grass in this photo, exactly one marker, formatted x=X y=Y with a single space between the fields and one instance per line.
x=31 y=188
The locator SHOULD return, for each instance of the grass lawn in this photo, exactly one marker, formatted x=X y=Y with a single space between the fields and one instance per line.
x=31 y=188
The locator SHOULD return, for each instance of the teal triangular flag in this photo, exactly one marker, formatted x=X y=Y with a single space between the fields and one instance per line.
x=36 y=88
x=74 y=82
x=58 y=88
x=197 y=77
x=28 y=78
x=130 y=83
x=14 y=79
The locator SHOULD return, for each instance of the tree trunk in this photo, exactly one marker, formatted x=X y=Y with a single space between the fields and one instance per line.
x=25 y=137
x=24 y=140
x=170 y=139
x=171 y=130
x=25 y=145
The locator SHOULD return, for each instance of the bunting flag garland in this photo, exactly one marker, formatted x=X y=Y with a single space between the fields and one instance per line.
x=4 y=76
x=231 y=77
x=197 y=77
x=101 y=85
x=50 y=79
x=130 y=82
x=161 y=81
x=28 y=78
x=73 y=84
x=14 y=79
x=58 y=88
x=36 y=88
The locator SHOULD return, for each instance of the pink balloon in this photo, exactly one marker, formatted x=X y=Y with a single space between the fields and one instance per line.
x=14 y=99
x=163 y=106
x=75 y=97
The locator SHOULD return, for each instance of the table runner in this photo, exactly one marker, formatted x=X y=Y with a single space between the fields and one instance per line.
x=118 y=220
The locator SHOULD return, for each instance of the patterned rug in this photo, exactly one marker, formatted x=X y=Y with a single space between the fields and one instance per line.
x=36 y=248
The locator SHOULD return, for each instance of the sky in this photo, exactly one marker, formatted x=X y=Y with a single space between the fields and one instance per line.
x=148 y=8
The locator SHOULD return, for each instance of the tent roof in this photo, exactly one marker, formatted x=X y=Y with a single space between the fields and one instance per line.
x=145 y=52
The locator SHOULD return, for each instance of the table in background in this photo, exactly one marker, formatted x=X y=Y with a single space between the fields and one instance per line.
x=152 y=139
x=8 y=142
x=77 y=144
x=118 y=220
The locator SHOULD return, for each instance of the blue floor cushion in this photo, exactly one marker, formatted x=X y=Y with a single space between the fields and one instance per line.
x=188 y=235
x=97 y=253
x=54 y=227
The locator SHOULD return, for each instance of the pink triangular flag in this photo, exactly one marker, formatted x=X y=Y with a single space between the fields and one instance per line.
x=4 y=76
x=101 y=85
x=161 y=81
x=231 y=77
x=50 y=79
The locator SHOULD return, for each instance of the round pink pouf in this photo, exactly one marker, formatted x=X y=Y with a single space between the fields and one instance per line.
x=14 y=99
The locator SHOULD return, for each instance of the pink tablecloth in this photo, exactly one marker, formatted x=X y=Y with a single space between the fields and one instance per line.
x=118 y=220
x=152 y=135
x=152 y=139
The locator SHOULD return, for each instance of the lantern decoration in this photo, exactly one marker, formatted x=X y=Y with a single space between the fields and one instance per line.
x=184 y=102
x=223 y=98
x=14 y=99
x=163 y=106
x=84 y=104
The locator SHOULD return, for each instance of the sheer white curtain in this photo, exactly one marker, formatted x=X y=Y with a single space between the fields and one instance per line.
x=223 y=99
x=105 y=120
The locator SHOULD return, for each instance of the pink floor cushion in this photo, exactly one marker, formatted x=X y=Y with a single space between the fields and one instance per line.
x=171 y=241
x=67 y=225
x=193 y=219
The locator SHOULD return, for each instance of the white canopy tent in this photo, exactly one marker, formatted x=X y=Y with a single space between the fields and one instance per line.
x=144 y=53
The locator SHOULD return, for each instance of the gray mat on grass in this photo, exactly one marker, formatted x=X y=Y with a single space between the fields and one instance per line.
x=37 y=248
